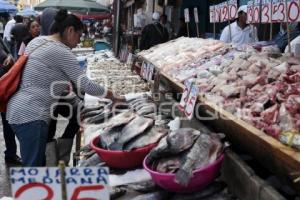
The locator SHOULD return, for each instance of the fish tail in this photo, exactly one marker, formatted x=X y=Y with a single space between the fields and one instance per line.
x=116 y=146
x=183 y=177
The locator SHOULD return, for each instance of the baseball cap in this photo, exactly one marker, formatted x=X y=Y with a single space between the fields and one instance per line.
x=243 y=8
x=156 y=16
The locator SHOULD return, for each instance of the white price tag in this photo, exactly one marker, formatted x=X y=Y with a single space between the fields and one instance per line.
x=191 y=102
x=224 y=12
x=196 y=15
x=266 y=11
x=188 y=99
x=185 y=94
x=212 y=14
x=129 y=59
x=249 y=12
x=151 y=72
x=278 y=11
x=232 y=7
x=143 y=68
x=293 y=11
x=186 y=15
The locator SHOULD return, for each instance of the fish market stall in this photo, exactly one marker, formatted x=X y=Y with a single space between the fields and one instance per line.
x=150 y=152
x=253 y=97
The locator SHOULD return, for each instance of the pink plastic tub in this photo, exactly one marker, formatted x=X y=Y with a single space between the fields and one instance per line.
x=122 y=159
x=202 y=177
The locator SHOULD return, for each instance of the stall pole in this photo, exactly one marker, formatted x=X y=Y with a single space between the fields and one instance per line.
x=287 y=26
x=229 y=26
x=214 y=22
x=62 y=166
x=187 y=27
x=197 y=26
x=271 y=24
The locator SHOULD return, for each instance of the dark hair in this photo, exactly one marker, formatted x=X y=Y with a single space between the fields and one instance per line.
x=30 y=22
x=63 y=20
x=18 y=19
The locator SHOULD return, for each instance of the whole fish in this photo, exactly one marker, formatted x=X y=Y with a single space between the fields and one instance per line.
x=209 y=191
x=91 y=108
x=152 y=136
x=119 y=119
x=100 y=118
x=109 y=136
x=168 y=164
x=175 y=142
x=161 y=195
x=91 y=161
x=134 y=128
x=143 y=187
x=117 y=192
x=147 y=110
x=197 y=157
x=92 y=113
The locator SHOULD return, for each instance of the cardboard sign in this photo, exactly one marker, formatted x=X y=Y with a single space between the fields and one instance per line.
x=253 y=12
x=266 y=11
x=212 y=14
x=87 y=183
x=188 y=99
x=233 y=8
x=186 y=15
x=196 y=15
x=37 y=183
x=223 y=12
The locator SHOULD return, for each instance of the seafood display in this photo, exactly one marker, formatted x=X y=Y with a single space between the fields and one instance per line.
x=183 y=151
x=108 y=71
x=259 y=88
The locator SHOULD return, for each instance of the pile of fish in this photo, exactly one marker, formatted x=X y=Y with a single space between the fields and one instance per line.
x=108 y=71
x=129 y=125
x=260 y=88
x=183 y=151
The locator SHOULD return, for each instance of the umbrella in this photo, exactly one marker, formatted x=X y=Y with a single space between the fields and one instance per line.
x=27 y=12
x=73 y=5
x=7 y=7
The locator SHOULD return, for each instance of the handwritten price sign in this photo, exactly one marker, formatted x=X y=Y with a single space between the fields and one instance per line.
x=188 y=99
x=253 y=12
x=223 y=12
x=44 y=183
x=276 y=11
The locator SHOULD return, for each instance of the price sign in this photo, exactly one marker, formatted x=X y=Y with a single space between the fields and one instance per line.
x=196 y=15
x=293 y=11
x=186 y=15
x=218 y=10
x=256 y=12
x=224 y=12
x=232 y=8
x=143 y=68
x=278 y=11
x=250 y=12
x=212 y=14
x=266 y=11
x=188 y=99
x=37 y=183
x=191 y=102
x=129 y=59
x=151 y=72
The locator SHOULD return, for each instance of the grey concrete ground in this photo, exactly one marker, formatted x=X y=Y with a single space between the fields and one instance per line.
x=4 y=178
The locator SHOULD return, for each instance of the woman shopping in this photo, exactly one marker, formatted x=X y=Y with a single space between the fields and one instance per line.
x=50 y=67
x=34 y=31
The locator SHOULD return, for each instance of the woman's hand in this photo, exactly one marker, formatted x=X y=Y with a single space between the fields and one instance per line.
x=114 y=97
x=8 y=62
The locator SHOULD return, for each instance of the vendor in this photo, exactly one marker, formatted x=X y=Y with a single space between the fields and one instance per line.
x=240 y=32
x=154 y=33
x=50 y=63
x=281 y=39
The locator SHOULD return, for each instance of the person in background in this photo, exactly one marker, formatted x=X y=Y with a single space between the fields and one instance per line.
x=18 y=33
x=11 y=157
x=50 y=63
x=182 y=30
x=47 y=19
x=1 y=28
x=6 y=35
x=154 y=33
x=165 y=23
x=241 y=32
x=281 y=38
x=34 y=31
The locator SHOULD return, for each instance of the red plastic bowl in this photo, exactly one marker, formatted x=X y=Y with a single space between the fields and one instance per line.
x=122 y=159
x=202 y=177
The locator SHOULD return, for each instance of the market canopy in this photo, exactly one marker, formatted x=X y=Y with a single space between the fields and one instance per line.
x=26 y=12
x=73 y=5
x=7 y=7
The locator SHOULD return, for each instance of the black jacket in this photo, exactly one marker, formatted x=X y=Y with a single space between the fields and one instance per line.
x=152 y=35
x=4 y=51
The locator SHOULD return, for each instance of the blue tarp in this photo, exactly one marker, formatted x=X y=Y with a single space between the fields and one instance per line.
x=27 y=12
x=7 y=7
